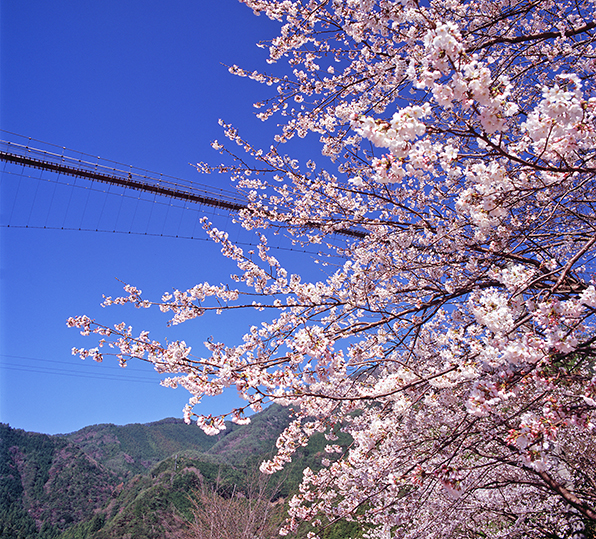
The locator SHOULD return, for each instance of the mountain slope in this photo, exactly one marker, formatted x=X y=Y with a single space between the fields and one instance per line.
x=47 y=484
x=257 y=438
x=135 y=448
x=137 y=481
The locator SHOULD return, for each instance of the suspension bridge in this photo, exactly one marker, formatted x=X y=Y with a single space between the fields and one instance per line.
x=22 y=155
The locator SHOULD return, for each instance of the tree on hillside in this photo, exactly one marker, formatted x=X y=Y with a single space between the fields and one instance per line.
x=453 y=334
x=244 y=513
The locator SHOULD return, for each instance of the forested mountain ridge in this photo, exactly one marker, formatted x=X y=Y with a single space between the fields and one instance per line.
x=113 y=477
x=47 y=484
x=138 y=447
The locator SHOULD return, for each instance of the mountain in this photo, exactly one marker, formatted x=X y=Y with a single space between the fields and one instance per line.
x=47 y=484
x=139 y=481
x=50 y=483
x=256 y=438
x=135 y=448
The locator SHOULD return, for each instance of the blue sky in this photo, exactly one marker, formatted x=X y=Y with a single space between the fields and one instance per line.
x=140 y=83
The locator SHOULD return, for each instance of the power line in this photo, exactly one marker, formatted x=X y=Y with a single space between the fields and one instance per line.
x=71 y=363
x=153 y=234
x=64 y=372
x=4 y=365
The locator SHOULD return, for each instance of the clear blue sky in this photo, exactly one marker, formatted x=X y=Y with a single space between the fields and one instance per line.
x=137 y=82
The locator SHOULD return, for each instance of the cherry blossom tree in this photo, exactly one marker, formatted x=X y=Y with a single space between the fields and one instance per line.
x=453 y=333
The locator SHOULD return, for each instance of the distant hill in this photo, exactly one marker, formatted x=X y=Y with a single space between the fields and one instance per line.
x=135 y=448
x=47 y=484
x=50 y=483
x=256 y=438
x=136 y=481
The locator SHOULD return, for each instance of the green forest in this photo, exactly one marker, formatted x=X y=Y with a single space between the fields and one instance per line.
x=150 y=481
